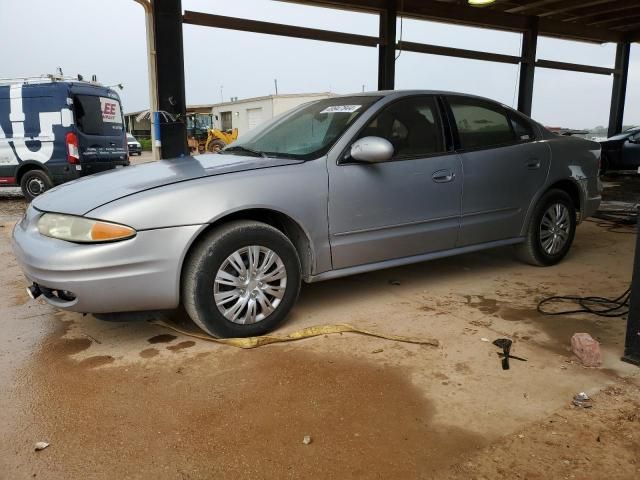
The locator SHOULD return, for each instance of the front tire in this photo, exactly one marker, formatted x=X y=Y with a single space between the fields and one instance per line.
x=551 y=230
x=241 y=279
x=34 y=183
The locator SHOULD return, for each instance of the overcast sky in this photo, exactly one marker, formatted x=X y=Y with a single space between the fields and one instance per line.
x=106 y=37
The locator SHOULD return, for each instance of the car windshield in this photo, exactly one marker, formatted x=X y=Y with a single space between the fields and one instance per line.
x=305 y=133
x=131 y=138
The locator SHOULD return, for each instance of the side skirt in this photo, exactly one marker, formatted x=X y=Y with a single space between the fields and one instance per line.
x=397 y=262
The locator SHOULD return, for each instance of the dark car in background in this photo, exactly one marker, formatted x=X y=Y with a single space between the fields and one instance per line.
x=53 y=131
x=133 y=145
x=622 y=151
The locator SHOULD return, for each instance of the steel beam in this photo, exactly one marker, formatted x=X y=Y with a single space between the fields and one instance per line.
x=387 y=47
x=255 y=26
x=632 y=339
x=457 y=52
x=575 y=67
x=167 y=22
x=619 y=89
x=528 y=68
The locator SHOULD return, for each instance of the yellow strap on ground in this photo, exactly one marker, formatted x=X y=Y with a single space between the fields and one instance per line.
x=253 y=342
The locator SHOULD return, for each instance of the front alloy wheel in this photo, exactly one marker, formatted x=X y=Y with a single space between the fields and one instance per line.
x=250 y=284
x=241 y=279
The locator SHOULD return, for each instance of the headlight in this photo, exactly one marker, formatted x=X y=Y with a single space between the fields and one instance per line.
x=82 y=230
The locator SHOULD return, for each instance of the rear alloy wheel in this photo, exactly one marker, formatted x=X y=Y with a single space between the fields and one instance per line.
x=34 y=183
x=241 y=280
x=551 y=230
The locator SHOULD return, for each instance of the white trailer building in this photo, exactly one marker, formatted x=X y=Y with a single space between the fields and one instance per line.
x=248 y=113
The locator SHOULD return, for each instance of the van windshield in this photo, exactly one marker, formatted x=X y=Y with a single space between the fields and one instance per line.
x=305 y=133
x=98 y=115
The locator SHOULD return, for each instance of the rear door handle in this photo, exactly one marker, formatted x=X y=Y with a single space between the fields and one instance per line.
x=533 y=164
x=443 y=176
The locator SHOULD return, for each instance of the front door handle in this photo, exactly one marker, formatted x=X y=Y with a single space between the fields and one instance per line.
x=533 y=164
x=443 y=176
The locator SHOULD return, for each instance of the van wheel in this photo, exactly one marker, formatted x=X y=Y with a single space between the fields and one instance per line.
x=241 y=279
x=34 y=183
x=550 y=231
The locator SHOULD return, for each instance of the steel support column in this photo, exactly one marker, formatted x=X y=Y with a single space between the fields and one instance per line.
x=528 y=67
x=632 y=340
x=619 y=90
x=167 y=23
x=387 y=47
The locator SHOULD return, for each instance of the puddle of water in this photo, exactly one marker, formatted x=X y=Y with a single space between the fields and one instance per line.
x=245 y=414
x=181 y=346
x=149 y=352
x=162 y=338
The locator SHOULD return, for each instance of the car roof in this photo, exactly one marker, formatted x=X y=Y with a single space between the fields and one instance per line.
x=406 y=93
x=386 y=93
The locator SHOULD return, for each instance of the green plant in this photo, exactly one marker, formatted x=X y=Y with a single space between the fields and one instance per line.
x=146 y=144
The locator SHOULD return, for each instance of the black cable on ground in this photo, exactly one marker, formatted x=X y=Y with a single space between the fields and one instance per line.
x=616 y=221
x=601 y=306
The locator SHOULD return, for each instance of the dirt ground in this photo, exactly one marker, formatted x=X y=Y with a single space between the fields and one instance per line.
x=131 y=399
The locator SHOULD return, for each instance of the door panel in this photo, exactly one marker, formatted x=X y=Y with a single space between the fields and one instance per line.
x=393 y=210
x=499 y=184
x=407 y=206
x=503 y=168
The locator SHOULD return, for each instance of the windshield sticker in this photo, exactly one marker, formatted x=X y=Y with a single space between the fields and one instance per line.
x=110 y=110
x=341 y=109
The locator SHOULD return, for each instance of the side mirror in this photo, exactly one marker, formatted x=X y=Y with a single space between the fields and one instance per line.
x=372 y=150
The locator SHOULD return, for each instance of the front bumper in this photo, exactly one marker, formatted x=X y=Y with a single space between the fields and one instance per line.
x=142 y=273
x=135 y=148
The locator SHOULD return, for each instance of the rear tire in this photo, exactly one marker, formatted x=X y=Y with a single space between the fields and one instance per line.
x=551 y=229
x=35 y=183
x=260 y=297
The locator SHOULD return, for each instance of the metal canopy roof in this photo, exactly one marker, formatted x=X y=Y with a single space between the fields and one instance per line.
x=587 y=20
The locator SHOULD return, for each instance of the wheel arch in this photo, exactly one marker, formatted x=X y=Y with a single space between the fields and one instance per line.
x=568 y=185
x=571 y=187
x=278 y=220
x=27 y=167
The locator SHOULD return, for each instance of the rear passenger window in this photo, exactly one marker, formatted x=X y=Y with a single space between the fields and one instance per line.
x=481 y=124
x=522 y=128
x=412 y=125
x=98 y=115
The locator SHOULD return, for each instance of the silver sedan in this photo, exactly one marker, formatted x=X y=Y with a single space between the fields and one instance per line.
x=335 y=187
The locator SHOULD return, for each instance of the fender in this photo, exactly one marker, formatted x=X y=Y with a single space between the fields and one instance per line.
x=547 y=186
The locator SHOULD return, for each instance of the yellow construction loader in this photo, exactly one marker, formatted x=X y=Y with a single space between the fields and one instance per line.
x=202 y=137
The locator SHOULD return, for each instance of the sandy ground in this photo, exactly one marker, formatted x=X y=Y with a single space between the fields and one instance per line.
x=134 y=400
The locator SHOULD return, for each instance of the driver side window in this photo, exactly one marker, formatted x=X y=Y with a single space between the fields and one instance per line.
x=412 y=125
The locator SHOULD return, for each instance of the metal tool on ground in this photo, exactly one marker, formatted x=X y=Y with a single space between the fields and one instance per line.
x=505 y=345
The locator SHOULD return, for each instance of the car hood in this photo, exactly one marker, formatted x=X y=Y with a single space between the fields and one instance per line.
x=83 y=195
